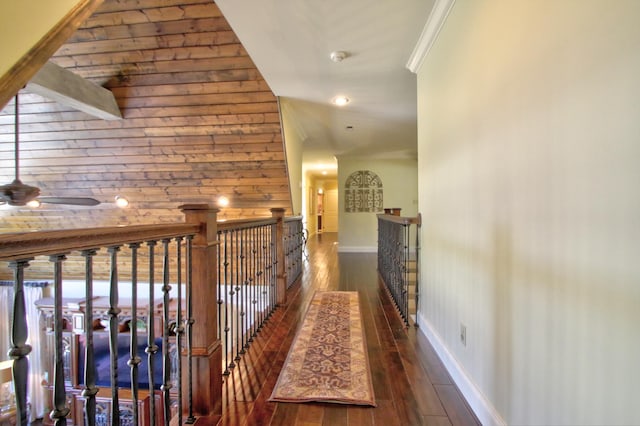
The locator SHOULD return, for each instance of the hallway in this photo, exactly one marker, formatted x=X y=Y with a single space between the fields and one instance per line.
x=411 y=385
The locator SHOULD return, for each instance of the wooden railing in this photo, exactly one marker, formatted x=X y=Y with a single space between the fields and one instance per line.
x=187 y=267
x=255 y=260
x=399 y=259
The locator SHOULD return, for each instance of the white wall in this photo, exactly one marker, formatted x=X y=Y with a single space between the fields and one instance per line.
x=529 y=173
x=358 y=232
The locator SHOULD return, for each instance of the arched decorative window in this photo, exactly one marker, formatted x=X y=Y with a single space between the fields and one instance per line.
x=363 y=192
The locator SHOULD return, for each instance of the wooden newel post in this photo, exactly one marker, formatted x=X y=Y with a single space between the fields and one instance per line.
x=281 y=272
x=206 y=348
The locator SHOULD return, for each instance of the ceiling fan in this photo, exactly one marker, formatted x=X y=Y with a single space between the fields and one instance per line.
x=17 y=193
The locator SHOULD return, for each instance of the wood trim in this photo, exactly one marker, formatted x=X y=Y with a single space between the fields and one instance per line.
x=26 y=245
x=244 y=223
x=20 y=73
x=404 y=220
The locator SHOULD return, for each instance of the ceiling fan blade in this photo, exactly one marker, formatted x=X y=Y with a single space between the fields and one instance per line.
x=75 y=201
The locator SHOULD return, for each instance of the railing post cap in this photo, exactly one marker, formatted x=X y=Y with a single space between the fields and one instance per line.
x=277 y=212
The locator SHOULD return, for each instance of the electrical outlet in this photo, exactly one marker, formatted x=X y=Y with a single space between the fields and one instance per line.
x=463 y=334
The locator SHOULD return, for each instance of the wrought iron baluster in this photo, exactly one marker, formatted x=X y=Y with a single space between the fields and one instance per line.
x=267 y=272
x=60 y=409
x=268 y=267
x=252 y=281
x=300 y=254
x=166 y=361
x=134 y=359
x=397 y=233
x=237 y=288
x=220 y=277
x=113 y=333
x=270 y=284
x=274 y=271
x=232 y=306
x=189 y=322
x=245 y=283
x=179 y=326
x=243 y=293
x=90 y=389
x=285 y=248
x=19 y=333
x=228 y=307
x=405 y=284
x=151 y=348
x=290 y=252
x=264 y=275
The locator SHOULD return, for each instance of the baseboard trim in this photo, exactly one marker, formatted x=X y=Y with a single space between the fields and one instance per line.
x=481 y=406
x=355 y=249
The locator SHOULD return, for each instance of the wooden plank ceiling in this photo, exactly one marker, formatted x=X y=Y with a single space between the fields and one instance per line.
x=199 y=122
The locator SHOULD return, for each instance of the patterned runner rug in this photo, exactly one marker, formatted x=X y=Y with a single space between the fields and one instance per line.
x=328 y=360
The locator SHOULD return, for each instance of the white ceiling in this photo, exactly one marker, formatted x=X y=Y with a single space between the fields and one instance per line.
x=290 y=42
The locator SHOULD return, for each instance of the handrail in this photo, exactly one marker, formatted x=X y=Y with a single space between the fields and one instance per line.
x=244 y=223
x=43 y=243
x=404 y=220
x=241 y=223
x=292 y=218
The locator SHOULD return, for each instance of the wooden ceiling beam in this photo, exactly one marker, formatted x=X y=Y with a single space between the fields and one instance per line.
x=61 y=85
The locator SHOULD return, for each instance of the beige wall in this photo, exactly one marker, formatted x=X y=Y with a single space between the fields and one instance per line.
x=359 y=231
x=293 y=145
x=309 y=222
x=529 y=149
x=23 y=23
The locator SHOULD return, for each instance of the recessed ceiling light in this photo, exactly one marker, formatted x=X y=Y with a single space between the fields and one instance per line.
x=324 y=172
x=340 y=100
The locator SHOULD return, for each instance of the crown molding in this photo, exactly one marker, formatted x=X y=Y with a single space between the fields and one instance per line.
x=430 y=32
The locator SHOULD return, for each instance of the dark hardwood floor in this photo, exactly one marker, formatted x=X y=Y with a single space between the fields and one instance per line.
x=411 y=385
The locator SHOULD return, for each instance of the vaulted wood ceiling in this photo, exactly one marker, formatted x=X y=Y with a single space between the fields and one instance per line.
x=199 y=122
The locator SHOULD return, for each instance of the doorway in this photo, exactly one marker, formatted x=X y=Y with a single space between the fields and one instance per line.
x=330 y=212
x=319 y=209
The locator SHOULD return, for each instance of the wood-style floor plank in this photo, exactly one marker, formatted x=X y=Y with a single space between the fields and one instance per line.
x=410 y=383
x=457 y=409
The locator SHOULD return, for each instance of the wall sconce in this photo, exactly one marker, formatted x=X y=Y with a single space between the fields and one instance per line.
x=121 y=202
x=320 y=191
